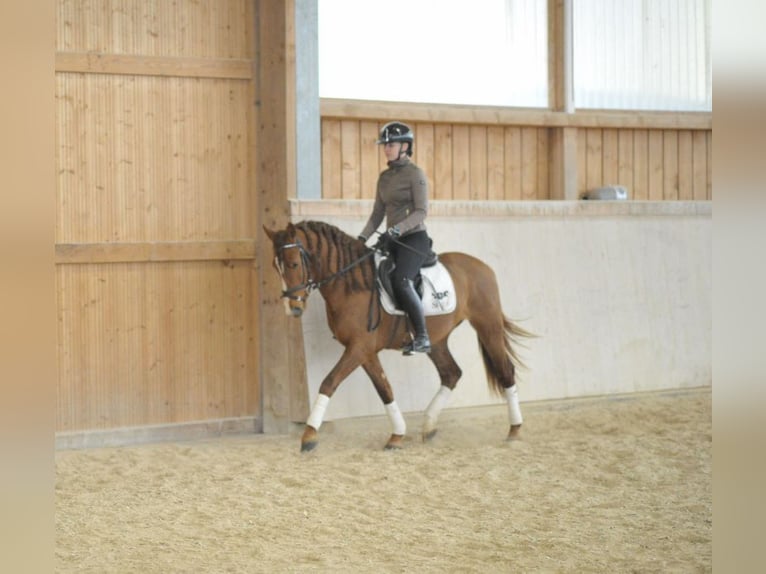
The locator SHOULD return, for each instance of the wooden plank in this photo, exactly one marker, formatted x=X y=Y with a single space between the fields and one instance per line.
x=220 y=29
x=174 y=166
x=685 y=166
x=556 y=166
x=582 y=162
x=442 y=174
x=610 y=166
x=625 y=161
x=332 y=160
x=350 y=152
x=594 y=176
x=543 y=164
x=655 y=167
x=495 y=163
x=153 y=344
x=180 y=67
x=424 y=152
x=70 y=253
x=461 y=162
x=478 y=163
x=699 y=165
x=670 y=165
x=512 y=163
x=528 y=163
x=369 y=152
x=495 y=115
x=640 y=165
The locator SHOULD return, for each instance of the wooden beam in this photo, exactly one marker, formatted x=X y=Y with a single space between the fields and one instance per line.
x=282 y=358
x=560 y=87
x=126 y=64
x=493 y=115
x=74 y=253
x=562 y=176
x=563 y=166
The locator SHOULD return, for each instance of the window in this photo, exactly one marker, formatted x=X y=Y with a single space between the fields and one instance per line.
x=627 y=54
x=490 y=52
x=642 y=54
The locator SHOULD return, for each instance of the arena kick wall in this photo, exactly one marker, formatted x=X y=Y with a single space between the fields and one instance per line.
x=620 y=294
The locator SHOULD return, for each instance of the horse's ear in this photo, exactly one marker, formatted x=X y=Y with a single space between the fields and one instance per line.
x=290 y=229
x=269 y=232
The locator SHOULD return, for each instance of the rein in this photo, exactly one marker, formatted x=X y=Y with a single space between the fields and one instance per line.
x=309 y=284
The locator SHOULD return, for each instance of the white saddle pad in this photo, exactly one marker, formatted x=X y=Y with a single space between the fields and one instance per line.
x=438 y=292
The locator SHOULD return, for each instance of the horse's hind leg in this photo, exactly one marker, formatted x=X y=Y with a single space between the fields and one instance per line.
x=449 y=373
x=374 y=370
x=514 y=412
x=495 y=343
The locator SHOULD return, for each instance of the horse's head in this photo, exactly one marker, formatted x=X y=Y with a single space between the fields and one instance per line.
x=291 y=261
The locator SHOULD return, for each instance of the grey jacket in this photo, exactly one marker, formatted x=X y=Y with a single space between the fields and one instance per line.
x=402 y=197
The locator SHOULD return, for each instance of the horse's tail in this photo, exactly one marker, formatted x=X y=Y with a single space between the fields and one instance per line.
x=501 y=367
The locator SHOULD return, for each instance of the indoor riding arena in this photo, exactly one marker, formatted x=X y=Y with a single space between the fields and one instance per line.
x=183 y=129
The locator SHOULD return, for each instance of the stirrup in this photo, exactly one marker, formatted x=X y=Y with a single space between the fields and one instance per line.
x=420 y=344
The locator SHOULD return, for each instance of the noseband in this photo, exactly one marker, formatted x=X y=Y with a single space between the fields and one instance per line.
x=308 y=283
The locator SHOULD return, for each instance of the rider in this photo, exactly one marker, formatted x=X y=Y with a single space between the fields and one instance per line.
x=402 y=197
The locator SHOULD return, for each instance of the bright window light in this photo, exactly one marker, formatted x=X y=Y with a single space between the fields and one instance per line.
x=490 y=52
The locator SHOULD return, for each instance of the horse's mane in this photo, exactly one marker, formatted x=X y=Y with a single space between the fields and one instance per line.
x=332 y=250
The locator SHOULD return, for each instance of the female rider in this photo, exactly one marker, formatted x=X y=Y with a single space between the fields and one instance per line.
x=402 y=198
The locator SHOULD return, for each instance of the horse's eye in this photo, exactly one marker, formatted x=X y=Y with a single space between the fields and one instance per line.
x=292 y=265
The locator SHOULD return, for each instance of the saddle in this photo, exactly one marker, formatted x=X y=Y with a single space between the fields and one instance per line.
x=433 y=284
x=385 y=267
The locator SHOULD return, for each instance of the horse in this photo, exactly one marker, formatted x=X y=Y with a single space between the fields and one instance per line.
x=314 y=255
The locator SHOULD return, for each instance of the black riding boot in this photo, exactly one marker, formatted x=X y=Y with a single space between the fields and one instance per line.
x=410 y=303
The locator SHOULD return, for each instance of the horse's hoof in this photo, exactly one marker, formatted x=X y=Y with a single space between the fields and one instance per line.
x=428 y=435
x=395 y=442
x=308 y=446
x=513 y=434
x=309 y=439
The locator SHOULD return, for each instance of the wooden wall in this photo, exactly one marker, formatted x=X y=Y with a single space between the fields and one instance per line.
x=490 y=154
x=157 y=293
x=653 y=164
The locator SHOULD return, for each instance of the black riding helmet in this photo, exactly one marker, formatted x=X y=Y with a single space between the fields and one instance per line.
x=397 y=132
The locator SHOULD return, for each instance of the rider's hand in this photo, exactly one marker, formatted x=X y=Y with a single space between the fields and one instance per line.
x=383 y=241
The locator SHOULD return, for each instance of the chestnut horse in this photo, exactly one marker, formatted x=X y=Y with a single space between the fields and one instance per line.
x=315 y=255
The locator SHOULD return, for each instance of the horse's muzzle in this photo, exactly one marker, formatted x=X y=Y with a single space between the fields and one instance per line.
x=296 y=311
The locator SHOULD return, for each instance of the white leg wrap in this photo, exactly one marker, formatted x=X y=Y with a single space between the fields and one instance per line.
x=514 y=412
x=440 y=400
x=398 y=426
x=317 y=413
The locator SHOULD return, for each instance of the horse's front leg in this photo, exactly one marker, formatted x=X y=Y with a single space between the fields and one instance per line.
x=374 y=370
x=342 y=369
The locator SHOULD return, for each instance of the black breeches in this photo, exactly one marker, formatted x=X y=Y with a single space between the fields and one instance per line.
x=409 y=257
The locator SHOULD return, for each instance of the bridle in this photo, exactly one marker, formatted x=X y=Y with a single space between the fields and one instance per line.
x=309 y=283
